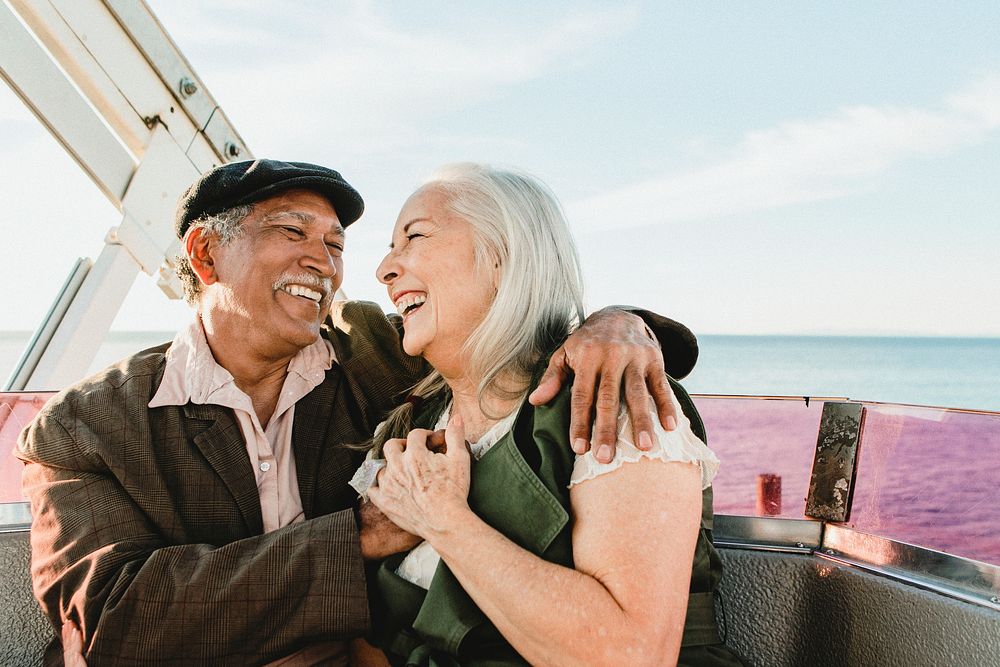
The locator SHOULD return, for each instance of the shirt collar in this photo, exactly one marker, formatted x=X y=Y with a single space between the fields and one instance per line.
x=192 y=374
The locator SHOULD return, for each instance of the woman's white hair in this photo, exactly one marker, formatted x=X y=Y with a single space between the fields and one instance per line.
x=521 y=236
x=520 y=230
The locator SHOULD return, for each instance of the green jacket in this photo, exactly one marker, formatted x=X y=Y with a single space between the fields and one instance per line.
x=520 y=487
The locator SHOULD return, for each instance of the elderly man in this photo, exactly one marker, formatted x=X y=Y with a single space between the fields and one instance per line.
x=191 y=503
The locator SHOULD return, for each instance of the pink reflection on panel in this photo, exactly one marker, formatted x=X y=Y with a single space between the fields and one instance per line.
x=928 y=476
x=16 y=410
x=766 y=447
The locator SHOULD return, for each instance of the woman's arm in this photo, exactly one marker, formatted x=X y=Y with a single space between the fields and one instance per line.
x=626 y=600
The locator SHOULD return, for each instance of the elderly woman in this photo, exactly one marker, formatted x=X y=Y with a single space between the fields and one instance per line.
x=530 y=553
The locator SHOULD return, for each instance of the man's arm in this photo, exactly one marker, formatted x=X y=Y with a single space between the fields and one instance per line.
x=100 y=561
x=614 y=352
x=369 y=348
x=617 y=346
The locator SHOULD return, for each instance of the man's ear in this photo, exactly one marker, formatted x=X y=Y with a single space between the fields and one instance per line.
x=200 y=245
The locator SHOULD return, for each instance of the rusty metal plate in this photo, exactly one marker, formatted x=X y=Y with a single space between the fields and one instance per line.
x=832 y=480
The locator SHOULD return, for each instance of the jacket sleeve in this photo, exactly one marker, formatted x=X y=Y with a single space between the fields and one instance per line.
x=679 y=344
x=98 y=559
x=369 y=347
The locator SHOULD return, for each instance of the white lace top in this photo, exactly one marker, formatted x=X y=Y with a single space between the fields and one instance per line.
x=681 y=444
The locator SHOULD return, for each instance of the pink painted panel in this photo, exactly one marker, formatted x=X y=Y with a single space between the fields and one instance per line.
x=762 y=444
x=16 y=410
x=928 y=476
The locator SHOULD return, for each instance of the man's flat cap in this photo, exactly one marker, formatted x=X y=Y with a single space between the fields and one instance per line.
x=239 y=183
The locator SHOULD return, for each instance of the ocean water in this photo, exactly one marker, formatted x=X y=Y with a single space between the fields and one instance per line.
x=945 y=372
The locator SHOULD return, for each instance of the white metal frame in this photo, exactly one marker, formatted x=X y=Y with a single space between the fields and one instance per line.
x=106 y=80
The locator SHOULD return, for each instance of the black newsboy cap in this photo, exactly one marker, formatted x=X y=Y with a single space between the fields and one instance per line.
x=239 y=183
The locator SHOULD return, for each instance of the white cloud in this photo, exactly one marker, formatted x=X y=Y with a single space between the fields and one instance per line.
x=373 y=86
x=799 y=161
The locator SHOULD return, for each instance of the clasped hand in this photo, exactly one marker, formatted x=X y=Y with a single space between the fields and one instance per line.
x=422 y=490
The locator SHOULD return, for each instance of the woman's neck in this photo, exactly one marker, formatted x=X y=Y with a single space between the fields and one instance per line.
x=478 y=417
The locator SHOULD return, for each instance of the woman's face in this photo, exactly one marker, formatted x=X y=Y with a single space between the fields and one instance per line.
x=432 y=280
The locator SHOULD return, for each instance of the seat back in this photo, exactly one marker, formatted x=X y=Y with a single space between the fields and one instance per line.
x=24 y=630
x=789 y=609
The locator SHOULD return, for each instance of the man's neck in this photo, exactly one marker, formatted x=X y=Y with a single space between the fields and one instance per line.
x=257 y=375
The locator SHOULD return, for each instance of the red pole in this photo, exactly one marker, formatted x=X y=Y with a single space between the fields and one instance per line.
x=768 y=495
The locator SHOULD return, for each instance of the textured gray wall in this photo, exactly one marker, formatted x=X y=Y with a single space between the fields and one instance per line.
x=24 y=630
x=783 y=609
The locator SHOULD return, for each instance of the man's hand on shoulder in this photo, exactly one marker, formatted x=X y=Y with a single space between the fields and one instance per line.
x=611 y=350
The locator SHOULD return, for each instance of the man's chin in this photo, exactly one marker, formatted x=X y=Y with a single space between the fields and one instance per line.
x=302 y=336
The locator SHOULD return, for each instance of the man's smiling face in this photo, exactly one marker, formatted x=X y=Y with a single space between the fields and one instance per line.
x=281 y=273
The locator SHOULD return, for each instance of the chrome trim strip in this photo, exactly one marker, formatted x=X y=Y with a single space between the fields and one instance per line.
x=954 y=576
x=749 y=546
x=15 y=517
x=991 y=602
x=962 y=578
x=830 y=399
x=768 y=533
x=775 y=397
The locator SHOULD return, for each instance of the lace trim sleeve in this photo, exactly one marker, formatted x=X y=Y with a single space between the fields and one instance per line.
x=681 y=444
x=364 y=476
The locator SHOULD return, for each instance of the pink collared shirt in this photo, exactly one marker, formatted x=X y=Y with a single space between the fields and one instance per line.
x=192 y=374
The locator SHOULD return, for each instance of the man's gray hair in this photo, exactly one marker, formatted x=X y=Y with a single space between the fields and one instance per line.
x=521 y=236
x=227 y=226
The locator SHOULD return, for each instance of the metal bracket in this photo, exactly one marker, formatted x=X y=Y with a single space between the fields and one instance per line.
x=831 y=485
x=34 y=350
x=147 y=229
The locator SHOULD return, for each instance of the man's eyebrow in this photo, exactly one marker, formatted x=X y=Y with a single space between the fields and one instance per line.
x=303 y=218
x=406 y=227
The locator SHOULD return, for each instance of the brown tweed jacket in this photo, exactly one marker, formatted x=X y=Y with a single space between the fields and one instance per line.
x=147 y=524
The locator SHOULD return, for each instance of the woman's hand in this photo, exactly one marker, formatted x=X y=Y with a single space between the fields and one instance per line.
x=421 y=491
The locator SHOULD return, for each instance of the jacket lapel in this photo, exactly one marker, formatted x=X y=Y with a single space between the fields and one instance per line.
x=223 y=447
x=309 y=434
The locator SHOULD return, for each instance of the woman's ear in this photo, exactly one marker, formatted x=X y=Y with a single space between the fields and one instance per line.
x=497 y=273
x=200 y=244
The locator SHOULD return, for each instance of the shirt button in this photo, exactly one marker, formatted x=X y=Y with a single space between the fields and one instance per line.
x=265 y=466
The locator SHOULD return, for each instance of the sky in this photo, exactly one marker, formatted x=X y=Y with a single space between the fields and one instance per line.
x=744 y=167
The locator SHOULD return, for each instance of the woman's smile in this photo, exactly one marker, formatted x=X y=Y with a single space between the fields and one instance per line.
x=434 y=280
x=409 y=302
